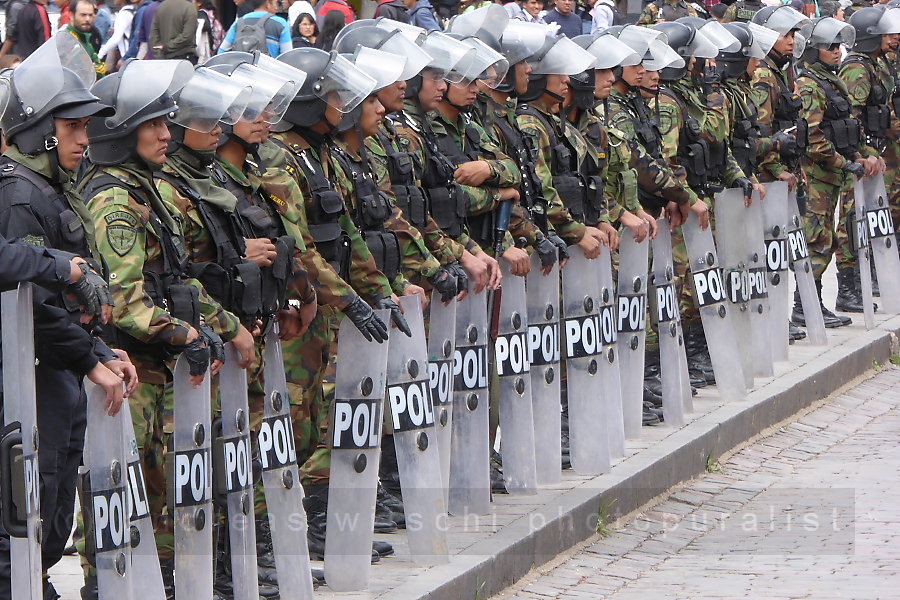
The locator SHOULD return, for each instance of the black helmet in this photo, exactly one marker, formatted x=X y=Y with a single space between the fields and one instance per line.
x=783 y=19
x=734 y=64
x=141 y=91
x=53 y=82
x=681 y=38
x=871 y=23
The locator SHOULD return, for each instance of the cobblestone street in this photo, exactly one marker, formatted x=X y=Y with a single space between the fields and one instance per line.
x=810 y=511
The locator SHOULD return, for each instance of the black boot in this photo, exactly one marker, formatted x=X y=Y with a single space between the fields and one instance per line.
x=698 y=359
x=388 y=471
x=498 y=486
x=794 y=332
x=315 y=503
x=167 y=567
x=566 y=461
x=389 y=508
x=875 y=291
x=831 y=320
x=797 y=317
x=266 y=569
x=649 y=417
x=849 y=296
x=652 y=380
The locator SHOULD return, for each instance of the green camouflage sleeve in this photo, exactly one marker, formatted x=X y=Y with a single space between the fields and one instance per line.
x=663 y=179
x=718 y=126
x=649 y=15
x=859 y=86
x=764 y=93
x=621 y=181
x=820 y=150
x=505 y=171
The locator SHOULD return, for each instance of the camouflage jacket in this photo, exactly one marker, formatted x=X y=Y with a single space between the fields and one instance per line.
x=718 y=131
x=605 y=160
x=738 y=94
x=404 y=135
x=366 y=280
x=767 y=85
x=538 y=140
x=867 y=78
x=129 y=238
x=666 y=10
x=822 y=162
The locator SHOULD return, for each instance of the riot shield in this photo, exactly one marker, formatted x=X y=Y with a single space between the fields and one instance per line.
x=611 y=390
x=233 y=476
x=355 y=453
x=189 y=477
x=711 y=299
x=281 y=479
x=470 y=474
x=146 y=575
x=860 y=232
x=588 y=442
x=664 y=314
x=412 y=417
x=760 y=314
x=631 y=324
x=883 y=242
x=733 y=248
x=543 y=354
x=511 y=363
x=441 y=345
x=19 y=476
x=687 y=391
x=775 y=220
x=107 y=500
x=802 y=268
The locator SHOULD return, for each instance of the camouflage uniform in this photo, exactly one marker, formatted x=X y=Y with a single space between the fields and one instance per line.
x=769 y=85
x=129 y=238
x=745 y=127
x=823 y=166
x=666 y=10
x=742 y=11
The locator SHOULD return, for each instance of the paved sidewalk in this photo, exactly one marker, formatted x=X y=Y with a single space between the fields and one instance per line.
x=808 y=512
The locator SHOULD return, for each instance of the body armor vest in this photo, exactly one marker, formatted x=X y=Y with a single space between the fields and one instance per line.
x=876 y=114
x=841 y=129
x=531 y=189
x=402 y=170
x=693 y=150
x=448 y=201
x=746 y=132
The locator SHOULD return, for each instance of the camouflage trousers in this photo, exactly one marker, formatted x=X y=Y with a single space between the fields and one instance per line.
x=820 y=226
x=309 y=363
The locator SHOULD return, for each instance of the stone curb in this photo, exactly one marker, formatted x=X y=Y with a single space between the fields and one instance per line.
x=491 y=565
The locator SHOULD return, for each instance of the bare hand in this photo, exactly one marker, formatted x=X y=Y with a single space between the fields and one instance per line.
x=494 y=277
x=261 y=251
x=761 y=189
x=638 y=226
x=477 y=270
x=790 y=178
x=509 y=193
x=472 y=173
x=111 y=383
x=126 y=371
x=415 y=290
x=651 y=222
x=243 y=343
x=702 y=211
x=590 y=244
x=289 y=324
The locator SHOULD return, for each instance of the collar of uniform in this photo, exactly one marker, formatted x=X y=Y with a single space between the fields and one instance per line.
x=235 y=173
x=441 y=125
x=412 y=110
x=821 y=71
x=342 y=146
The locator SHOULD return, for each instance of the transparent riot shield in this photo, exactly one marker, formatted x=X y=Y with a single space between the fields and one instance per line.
x=19 y=476
x=775 y=224
x=711 y=299
x=355 y=453
x=543 y=354
x=664 y=315
x=803 y=273
x=470 y=474
x=733 y=250
x=860 y=232
x=189 y=478
x=588 y=443
x=760 y=314
x=233 y=475
x=687 y=390
x=408 y=397
x=107 y=499
x=281 y=479
x=883 y=242
x=631 y=324
x=511 y=363
x=146 y=576
x=441 y=345
x=611 y=390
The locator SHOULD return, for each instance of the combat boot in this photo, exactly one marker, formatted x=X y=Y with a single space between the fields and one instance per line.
x=875 y=291
x=831 y=320
x=849 y=297
x=794 y=332
x=315 y=503
x=388 y=470
x=698 y=359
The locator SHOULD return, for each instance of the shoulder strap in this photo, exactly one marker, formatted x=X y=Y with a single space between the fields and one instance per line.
x=20 y=171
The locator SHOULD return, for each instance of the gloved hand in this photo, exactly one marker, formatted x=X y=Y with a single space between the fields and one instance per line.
x=396 y=315
x=213 y=341
x=462 y=278
x=197 y=355
x=546 y=250
x=745 y=184
x=366 y=320
x=854 y=168
x=445 y=283
x=92 y=291
x=787 y=144
x=561 y=246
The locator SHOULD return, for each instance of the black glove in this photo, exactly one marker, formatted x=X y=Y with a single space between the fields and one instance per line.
x=462 y=278
x=745 y=184
x=92 y=291
x=546 y=250
x=561 y=246
x=396 y=315
x=213 y=341
x=366 y=320
x=197 y=355
x=445 y=283
x=787 y=144
x=854 y=168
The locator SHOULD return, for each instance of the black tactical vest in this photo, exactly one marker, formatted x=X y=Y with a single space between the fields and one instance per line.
x=876 y=114
x=693 y=150
x=531 y=189
x=841 y=129
x=403 y=170
x=746 y=132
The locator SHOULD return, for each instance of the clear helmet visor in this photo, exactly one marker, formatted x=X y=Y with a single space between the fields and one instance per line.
x=639 y=38
x=343 y=86
x=416 y=58
x=610 y=52
x=822 y=33
x=564 y=57
x=145 y=81
x=889 y=22
x=485 y=64
x=446 y=53
x=785 y=19
x=763 y=40
x=384 y=67
x=40 y=76
x=720 y=36
x=520 y=40
x=410 y=32
x=662 y=56
x=282 y=70
x=799 y=45
x=270 y=95
x=210 y=97
x=488 y=22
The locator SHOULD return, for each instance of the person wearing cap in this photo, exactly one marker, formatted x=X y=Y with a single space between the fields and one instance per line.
x=666 y=10
x=870 y=84
x=835 y=141
x=161 y=311
x=38 y=205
